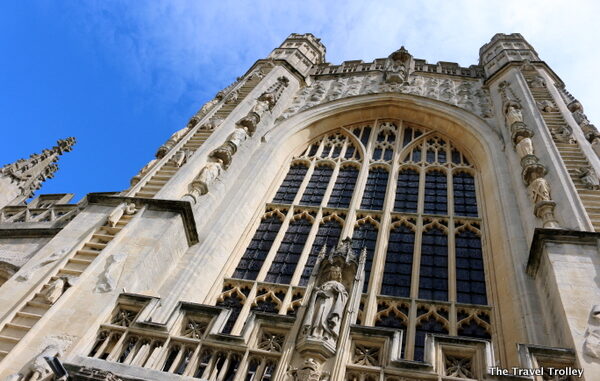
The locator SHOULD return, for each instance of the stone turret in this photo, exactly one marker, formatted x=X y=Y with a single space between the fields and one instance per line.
x=301 y=51
x=20 y=179
x=503 y=49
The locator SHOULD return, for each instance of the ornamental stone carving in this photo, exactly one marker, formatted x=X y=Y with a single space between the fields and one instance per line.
x=25 y=275
x=117 y=213
x=136 y=179
x=547 y=106
x=513 y=113
x=466 y=94
x=539 y=190
x=588 y=177
x=327 y=308
x=107 y=281
x=524 y=146
x=591 y=344
x=174 y=139
x=54 y=290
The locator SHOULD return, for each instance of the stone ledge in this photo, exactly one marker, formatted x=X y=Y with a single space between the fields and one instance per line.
x=184 y=208
x=542 y=235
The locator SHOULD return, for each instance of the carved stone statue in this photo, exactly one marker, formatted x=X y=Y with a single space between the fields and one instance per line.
x=181 y=157
x=232 y=97
x=308 y=371
x=25 y=275
x=524 y=146
x=39 y=367
x=115 y=216
x=588 y=177
x=54 y=290
x=591 y=345
x=539 y=190
x=537 y=82
x=328 y=304
x=513 y=113
x=207 y=176
x=174 y=139
x=547 y=106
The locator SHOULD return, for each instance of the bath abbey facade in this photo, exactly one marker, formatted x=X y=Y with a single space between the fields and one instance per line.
x=394 y=220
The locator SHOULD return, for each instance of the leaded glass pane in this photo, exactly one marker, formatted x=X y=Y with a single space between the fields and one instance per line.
x=329 y=235
x=258 y=248
x=375 y=189
x=290 y=185
x=436 y=194
x=398 y=262
x=287 y=256
x=433 y=273
x=313 y=194
x=407 y=191
x=465 y=201
x=343 y=188
x=470 y=277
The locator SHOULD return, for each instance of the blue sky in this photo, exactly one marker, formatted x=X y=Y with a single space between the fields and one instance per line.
x=121 y=76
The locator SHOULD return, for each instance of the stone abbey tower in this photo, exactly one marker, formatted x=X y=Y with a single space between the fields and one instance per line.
x=393 y=220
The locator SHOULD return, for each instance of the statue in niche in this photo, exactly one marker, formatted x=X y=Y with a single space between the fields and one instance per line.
x=513 y=113
x=539 y=190
x=591 y=344
x=524 y=146
x=308 y=371
x=588 y=177
x=328 y=304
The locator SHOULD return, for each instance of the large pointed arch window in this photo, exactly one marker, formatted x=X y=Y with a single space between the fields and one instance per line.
x=404 y=193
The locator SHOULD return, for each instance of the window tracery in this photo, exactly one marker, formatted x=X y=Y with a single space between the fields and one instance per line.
x=407 y=195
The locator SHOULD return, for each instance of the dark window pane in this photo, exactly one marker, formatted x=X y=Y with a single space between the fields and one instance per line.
x=429 y=325
x=287 y=256
x=343 y=188
x=288 y=189
x=436 y=195
x=375 y=189
x=398 y=262
x=327 y=235
x=470 y=278
x=313 y=194
x=258 y=249
x=433 y=279
x=407 y=191
x=465 y=201
x=365 y=236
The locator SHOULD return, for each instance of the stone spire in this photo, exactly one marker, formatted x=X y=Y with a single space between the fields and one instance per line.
x=20 y=179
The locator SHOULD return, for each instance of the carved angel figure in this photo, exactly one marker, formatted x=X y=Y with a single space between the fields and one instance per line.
x=547 y=106
x=537 y=82
x=588 y=177
x=328 y=303
x=136 y=179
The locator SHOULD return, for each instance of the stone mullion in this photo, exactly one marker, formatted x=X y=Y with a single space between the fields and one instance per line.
x=113 y=355
x=224 y=368
x=275 y=246
x=193 y=362
x=331 y=183
x=451 y=253
x=245 y=311
x=164 y=352
x=306 y=250
x=105 y=343
x=134 y=351
x=305 y=182
x=361 y=181
x=177 y=359
x=242 y=367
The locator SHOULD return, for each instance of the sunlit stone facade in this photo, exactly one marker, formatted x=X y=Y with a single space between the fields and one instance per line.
x=387 y=220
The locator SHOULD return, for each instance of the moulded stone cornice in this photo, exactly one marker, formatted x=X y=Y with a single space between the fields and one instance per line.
x=184 y=208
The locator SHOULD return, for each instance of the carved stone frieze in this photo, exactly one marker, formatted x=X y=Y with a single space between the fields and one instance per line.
x=467 y=94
